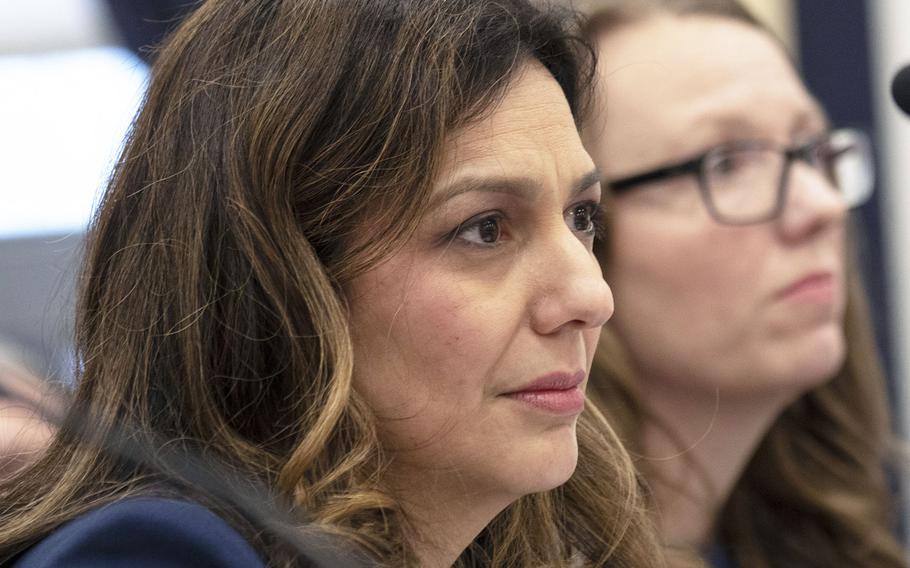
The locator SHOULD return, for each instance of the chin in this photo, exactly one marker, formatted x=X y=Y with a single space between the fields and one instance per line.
x=816 y=359
x=557 y=458
x=545 y=463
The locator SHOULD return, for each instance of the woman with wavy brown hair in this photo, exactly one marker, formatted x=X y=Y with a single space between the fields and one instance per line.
x=740 y=368
x=341 y=293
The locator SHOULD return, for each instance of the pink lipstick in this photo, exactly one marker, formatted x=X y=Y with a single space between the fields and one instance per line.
x=558 y=393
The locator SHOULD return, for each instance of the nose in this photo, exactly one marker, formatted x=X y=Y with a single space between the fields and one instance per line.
x=813 y=203
x=571 y=292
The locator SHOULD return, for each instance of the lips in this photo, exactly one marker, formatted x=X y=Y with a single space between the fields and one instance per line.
x=816 y=287
x=557 y=393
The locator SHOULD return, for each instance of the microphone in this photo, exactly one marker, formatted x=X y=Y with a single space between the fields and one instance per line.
x=900 y=89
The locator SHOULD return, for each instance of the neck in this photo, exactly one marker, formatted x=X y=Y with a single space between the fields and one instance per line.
x=443 y=520
x=693 y=471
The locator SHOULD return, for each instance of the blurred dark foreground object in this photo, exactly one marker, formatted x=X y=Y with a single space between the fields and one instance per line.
x=900 y=89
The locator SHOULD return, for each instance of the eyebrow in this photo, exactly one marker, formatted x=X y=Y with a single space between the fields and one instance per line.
x=732 y=123
x=518 y=186
x=809 y=118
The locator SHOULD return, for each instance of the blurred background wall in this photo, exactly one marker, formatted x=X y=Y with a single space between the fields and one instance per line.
x=888 y=27
x=68 y=91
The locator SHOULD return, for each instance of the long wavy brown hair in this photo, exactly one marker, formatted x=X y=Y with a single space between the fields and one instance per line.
x=276 y=140
x=815 y=493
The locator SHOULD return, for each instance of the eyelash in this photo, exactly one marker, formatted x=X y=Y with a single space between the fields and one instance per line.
x=592 y=208
x=477 y=223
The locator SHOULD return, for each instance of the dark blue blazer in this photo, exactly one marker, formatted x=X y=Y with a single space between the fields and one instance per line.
x=719 y=556
x=144 y=532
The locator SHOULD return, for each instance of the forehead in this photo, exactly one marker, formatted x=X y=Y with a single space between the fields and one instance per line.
x=699 y=77
x=530 y=132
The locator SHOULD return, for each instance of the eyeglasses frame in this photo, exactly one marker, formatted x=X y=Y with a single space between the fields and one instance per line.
x=807 y=152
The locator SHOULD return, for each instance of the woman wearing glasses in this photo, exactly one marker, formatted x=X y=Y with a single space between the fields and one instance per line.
x=739 y=365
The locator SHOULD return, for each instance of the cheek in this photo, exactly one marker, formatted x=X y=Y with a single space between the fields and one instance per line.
x=685 y=280
x=442 y=369
x=423 y=354
x=591 y=337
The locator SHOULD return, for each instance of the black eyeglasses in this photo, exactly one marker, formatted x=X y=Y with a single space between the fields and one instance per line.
x=746 y=182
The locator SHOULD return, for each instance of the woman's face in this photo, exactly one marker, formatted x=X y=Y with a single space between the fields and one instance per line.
x=750 y=309
x=473 y=342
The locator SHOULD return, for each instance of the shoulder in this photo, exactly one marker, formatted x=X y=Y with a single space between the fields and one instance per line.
x=144 y=532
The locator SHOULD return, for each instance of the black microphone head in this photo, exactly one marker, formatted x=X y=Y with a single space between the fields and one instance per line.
x=900 y=89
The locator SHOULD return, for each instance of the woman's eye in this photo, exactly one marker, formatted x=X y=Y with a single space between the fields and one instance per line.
x=486 y=231
x=583 y=217
x=727 y=164
x=742 y=162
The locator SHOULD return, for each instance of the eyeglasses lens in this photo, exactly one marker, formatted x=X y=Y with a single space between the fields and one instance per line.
x=744 y=184
x=850 y=164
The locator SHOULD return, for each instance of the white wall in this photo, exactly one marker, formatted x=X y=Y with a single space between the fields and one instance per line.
x=889 y=36
x=27 y=26
x=67 y=96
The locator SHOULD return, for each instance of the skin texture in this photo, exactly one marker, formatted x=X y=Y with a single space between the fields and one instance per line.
x=23 y=436
x=448 y=325
x=24 y=433
x=720 y=348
